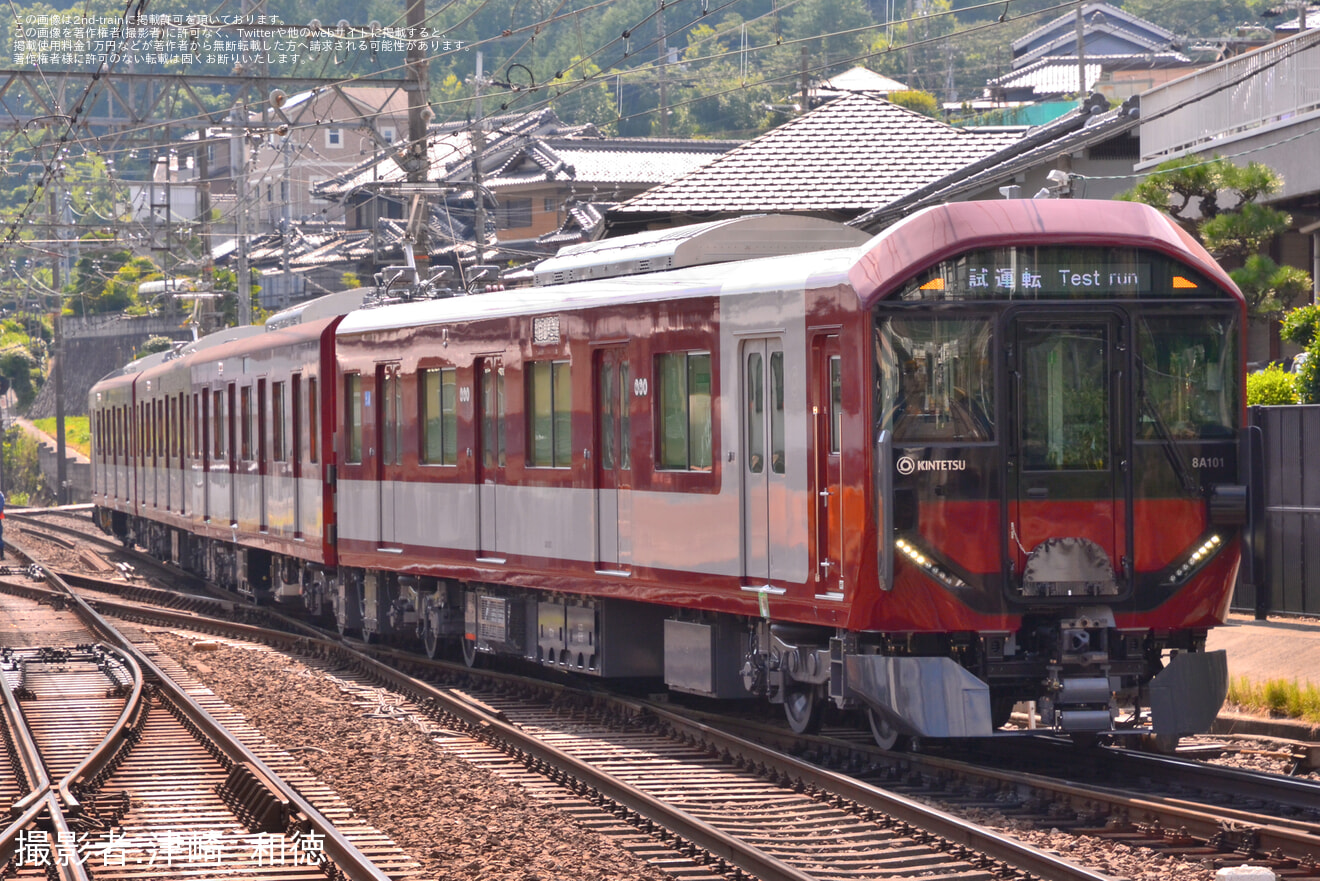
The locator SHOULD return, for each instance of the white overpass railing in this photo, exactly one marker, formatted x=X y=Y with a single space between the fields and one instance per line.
x=1271 y=86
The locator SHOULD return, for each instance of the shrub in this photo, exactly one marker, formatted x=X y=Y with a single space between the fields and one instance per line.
x=155 y=344
x=1306 y=381
x=1271 y=387
x=1300 y=325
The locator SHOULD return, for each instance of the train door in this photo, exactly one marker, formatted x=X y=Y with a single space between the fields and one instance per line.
x=389 y=414
x=490 y=462
x=1066 y=478
x=263 y=524
x=613 y=459
x=208 y=453
x=765 y=488
x=296 y=452
x=827 y=465
x=231 y=447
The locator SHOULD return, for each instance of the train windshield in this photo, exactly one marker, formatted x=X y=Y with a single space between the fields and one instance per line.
x=937 y=378
x=1186 y=370
x=1080 y=322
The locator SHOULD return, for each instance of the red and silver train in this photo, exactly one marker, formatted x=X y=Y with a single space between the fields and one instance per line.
x=991 y=455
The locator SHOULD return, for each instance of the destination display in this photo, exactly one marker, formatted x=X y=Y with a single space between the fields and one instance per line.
x=1069 y=273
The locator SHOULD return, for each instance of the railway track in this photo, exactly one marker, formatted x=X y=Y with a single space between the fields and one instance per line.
x=122 y=772
x=647 y=754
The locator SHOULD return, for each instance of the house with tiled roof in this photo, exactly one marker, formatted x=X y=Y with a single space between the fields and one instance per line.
x=836 y=162
x=1121 y=55
x=533 y=168
x=547 y=184
x=1093 y=146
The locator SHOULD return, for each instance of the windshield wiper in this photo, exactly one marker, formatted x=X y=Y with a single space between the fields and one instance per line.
x=1171 y=449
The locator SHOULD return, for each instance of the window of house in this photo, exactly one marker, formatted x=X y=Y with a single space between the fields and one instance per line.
x=550 y=205
x=514 y=214
x=353 y=415
x=550 y=403
x=277 y=421
x=334 y=137
x=387 y=134
x=685 y=429
x=439 y=416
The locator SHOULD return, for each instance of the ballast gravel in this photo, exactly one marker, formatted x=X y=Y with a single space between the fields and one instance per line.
x=458 y=822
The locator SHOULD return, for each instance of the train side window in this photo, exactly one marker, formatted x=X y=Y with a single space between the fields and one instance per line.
x=492 y=414
x=196 y=428
x=231 y=422
x=353 y=415
x=686 y=429
x=777 y=412
x=439 y=416
x=625 y=415
x=755 y=413
x=836 y=403
x=391 y=406
x=259 y=449
x=218 y=423
x=550 y=404
x=313 y=426
x=245 y=422
x=277 y=421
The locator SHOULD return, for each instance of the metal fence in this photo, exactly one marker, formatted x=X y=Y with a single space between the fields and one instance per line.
x=1267 y=87
x=1288 y=581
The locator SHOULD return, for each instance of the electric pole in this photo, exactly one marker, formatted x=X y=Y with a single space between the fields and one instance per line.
x=419 y=116
x=57 y=367
x=479 y=147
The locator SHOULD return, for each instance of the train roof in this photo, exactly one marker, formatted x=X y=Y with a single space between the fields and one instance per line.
x=943 y=231
x=698 y=244
x=328 y=306
x=792 y=272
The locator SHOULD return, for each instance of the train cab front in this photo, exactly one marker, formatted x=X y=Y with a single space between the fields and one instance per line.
x=1060 y=493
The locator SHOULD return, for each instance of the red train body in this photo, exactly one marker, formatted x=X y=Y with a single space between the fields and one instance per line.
x=990 y=456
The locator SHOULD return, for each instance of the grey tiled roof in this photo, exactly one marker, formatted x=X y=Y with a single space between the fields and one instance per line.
x=1111 y=17
x=1057 y=74
x=849 y=155
x=1069 y=134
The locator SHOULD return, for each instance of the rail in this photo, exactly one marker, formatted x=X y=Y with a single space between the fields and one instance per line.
x=351 y=862
x=40 y=799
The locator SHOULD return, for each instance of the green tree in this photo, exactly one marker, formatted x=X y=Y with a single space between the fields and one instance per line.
x=1196 y=18
x=23 y=371
x=1216 y=201
x=922 y=102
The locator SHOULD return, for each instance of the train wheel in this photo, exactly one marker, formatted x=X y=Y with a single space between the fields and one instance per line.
x=469 y=651
x=430 y=640
x=1160 y=744
x=887 y=737
x=802 y=708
